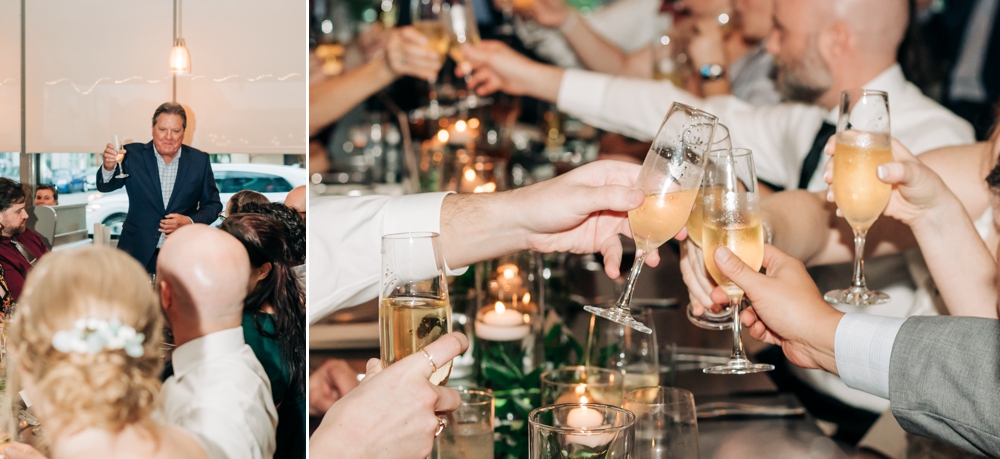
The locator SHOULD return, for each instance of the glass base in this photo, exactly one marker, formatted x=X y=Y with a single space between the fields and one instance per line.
x=710 y=320
x=122 y=175
x=621 y=316
x=739 y=367
x=856 y=297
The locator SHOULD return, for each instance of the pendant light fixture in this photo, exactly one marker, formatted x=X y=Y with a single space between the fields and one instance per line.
x=180 y=58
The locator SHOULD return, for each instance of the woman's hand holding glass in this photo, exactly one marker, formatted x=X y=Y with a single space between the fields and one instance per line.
x=408 y=53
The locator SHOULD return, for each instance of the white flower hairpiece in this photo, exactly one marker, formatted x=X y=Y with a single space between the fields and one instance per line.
x=90 y=336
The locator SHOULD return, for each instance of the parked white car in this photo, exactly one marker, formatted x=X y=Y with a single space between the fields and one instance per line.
x=272 y=180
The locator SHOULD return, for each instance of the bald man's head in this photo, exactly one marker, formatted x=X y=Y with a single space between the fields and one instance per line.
x=821 y=45
x=207 y=272
x=296 y=199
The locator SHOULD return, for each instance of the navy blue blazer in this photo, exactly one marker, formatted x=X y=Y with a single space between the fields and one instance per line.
x=195 y=195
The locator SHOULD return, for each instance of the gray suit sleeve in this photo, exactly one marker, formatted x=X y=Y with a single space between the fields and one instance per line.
x=944 y=381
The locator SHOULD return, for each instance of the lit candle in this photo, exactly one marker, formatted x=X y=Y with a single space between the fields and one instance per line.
x=460 y=133
x=509 y=278
x=587 y=418
x=502 y=324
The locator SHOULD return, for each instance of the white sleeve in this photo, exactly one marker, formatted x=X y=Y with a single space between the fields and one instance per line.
x=106 y=174
x=345 y=244
x=630 y=24
x=779 y=136
x=863 y=347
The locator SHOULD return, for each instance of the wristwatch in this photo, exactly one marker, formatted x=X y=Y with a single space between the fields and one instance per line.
x=712 y=72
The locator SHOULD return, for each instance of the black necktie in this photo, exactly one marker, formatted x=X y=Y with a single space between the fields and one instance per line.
x=812 y=159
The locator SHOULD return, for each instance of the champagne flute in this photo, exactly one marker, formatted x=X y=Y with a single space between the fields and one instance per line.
x=119 y=158
x=863 y=144
x=464 y=30
x=670 y=177
x=720 y=141
x=414 y=310
x=732 y=220
x=428 y=18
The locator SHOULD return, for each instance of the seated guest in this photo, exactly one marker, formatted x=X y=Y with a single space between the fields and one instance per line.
x=87 y=343
x=274 y=324
x=242 y=198
x=20 y=247
x=291 y=224
x=219 y=391
x=47 y=195
x=296 y=199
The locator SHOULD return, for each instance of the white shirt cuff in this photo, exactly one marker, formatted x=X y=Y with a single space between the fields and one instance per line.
x=416 y=213
x=863 y=348
x=108 y=175
x=581 y=93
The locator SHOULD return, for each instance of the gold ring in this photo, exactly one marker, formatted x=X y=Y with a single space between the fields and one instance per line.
x=430 y=359
x=442 y=423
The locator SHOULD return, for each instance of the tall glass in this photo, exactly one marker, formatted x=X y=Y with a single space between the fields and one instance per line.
x=464 y=30
x=666 y=423
x=428 y=18
x=670 y=177
x=627 y=350
x=720 y=141
x=469 y=432
x=580 y=431
x=863 y=144
x=732 y=220
x=582 y=385
x=413 y=298
x=120 y=156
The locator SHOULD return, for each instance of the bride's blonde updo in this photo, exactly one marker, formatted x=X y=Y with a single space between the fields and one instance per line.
x=107 y=389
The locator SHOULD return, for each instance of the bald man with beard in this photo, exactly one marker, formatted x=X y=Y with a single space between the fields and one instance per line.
x=219 y=391
x=820 y=48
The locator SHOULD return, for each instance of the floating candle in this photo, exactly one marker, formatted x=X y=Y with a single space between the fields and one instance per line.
x=502 y=324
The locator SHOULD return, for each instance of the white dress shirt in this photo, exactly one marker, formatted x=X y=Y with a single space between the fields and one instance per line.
x=345 y=244
x=780 y=137
x=220 y=394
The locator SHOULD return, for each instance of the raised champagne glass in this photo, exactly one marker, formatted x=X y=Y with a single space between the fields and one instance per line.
x=863 y=144
x=732 y=220
x=120 y=156
x=464 y=30
x=670 y=177
x=720 y=142
x=428 y=18
x=414 y=310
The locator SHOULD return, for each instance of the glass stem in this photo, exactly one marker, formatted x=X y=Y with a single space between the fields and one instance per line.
x=734 y=306
x=626 y=297
x=859 y=263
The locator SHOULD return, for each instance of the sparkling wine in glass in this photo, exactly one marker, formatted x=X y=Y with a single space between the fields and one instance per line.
x=863 y=144
x=119 y=158
x=464 y=30
x=732 y=220
x=670 y=177
x=720 y=141
x=414 y=310
x=429 y=19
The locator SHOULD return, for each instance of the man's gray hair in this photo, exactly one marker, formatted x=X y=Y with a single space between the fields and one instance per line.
x=171 y=108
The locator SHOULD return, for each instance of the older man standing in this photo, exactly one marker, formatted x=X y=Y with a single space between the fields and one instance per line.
x=219 y=391
x=169 y=185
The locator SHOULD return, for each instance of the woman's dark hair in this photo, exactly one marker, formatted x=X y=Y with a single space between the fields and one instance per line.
x=242 y=198
x=264 y=240
x=291 y=221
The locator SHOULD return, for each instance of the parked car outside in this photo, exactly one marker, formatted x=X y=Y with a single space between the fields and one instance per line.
x=271 y=180
x=66 y=182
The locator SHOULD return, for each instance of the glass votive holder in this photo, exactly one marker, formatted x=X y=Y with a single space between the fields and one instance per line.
x=666 y=423
x=469 y=432
x=581 y=384
x=580 y=430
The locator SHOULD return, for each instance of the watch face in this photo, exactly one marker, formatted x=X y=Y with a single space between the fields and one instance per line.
x=711 y=72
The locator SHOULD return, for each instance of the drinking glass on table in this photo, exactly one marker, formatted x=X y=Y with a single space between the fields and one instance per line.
x=121 y=157
x=428 y=18
x=635 y=354
x=666 y=423
x=670 y=177
x=469 y=432
x=732 y=220
x=863 y=144
x=583 y=430
x=413 y=299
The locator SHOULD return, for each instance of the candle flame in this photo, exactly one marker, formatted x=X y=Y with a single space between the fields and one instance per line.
x=442 y=136
x=500 y=308
x=478 y=189
x=474 y=123
x=509 y=271
x=526 y=299
x=527 y=318
x=460 y=126
x=580 y=389
x=470 y=175
x=488 y=188
x=584 y=401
